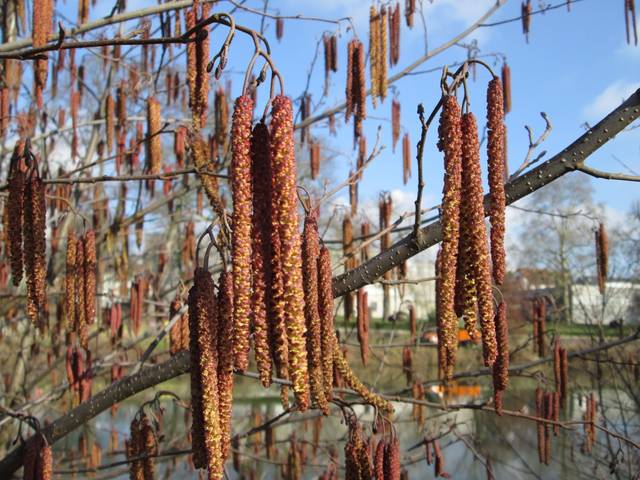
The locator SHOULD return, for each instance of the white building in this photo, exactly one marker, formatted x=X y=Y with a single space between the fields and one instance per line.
x=620 y=302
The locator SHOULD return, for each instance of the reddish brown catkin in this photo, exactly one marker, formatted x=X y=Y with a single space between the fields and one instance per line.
x=153 y=141
x=409 y=11
x=392 y=460
x=207 y=369
x=286 y=218
x=501 y=365
x=34 y=227
x=379 y=459
x=350 y=78
x=395 y=122
x=225 y=360
x=564 y=376
x=175 y=334
x=374 y=53
x=197 y=414
x=325 y=307
x=525 y=11
x=438 y=465
x=394 y=36
x=110 y=122
x=450 y=137
x=506 y=89
x=602 y=256
x=406 y=158
x=70 y=283
x=310 y=256
x=478 y=247
x=42 y=22
x=261 y=248
x=539 y=398
x=363 y=325
x=80 y=319
x=15 y=207
x=495 y=155
x=630 y=21
x=133 y=443
x=90 y=272
x=360 y=90
x=149 y=447
x=241 y=238
x=279 y=28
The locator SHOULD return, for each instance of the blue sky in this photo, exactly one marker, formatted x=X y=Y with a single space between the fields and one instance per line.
x=576 y=67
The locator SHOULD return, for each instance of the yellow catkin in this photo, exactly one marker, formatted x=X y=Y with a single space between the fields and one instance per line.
x=284 y=172
x=241 y=237
x=153 y=141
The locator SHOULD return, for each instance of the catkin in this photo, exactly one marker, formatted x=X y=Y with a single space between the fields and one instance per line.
x=353 y=382
x=501 y=365
x=279 y=28
x=478 y=248
x=241 y=238
x=409 y=11
x=363 y=325
x=261 y=248
x=286 y=219
x=525 y=13
x=204 y=165
x=406 y=158
x=602 y=256
x=42 y=22
x=506 y=89
x=110 y=122
x=149 y=447
x=630 y=21
x=225 y=360
x=133 y=450
x=450 y=136
x=15 y=208
x=153 y=141
x=356 y=89
x=392 y=459
x=310 y=257
x=90 y=265
x=496 y=156
x=34 y=227
x=325 y=308
x=221 y=117
x=394 y=38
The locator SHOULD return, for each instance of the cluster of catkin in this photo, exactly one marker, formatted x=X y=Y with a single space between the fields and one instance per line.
x=466 y=260
x=211 y=350
x=434 y=456
x=80 y=285
x=539 y=320
x=357 y=454
x=630 y=21
x=561 y=371
x=179 y=333
x=330 y=45
x=378 y=41
x=141 y=448
x=37 y=458
x=589 y=419
x=26 y=212
x=79 y=373
x=602 y=256
x=394 y=34
x=386 y=460
x=547 y=408
x=356 y=89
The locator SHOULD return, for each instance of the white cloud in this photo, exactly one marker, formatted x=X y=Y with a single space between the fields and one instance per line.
x=609 y=98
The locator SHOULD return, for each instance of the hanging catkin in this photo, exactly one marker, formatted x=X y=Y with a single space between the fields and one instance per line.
x=225 y=360
x=153 y=141
x=204 y=165
x=110 y=113
x=450 y=142
x=42 y=22
x=325 y=308
x=409 y=11
x=221 y=113
x=285 y=218
x=506 y=89
x=392 y=459
x=33 y=233
x=81 y=312
x=602 y=256
x=395 y=122
x=279 y=28
x=310 y=257
x=314 y=158
x=525 y=13
x=394 y=38
x=90 y=272
x=70 y=282
x=261 y=248
x=630 y=21
x=363 y=325
x=406 y=158
x=478 y=248
x=203 y=343
x=495 y=155
x=241 y=238
x=501 y=365
x=15 y=208
x=356 y=89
